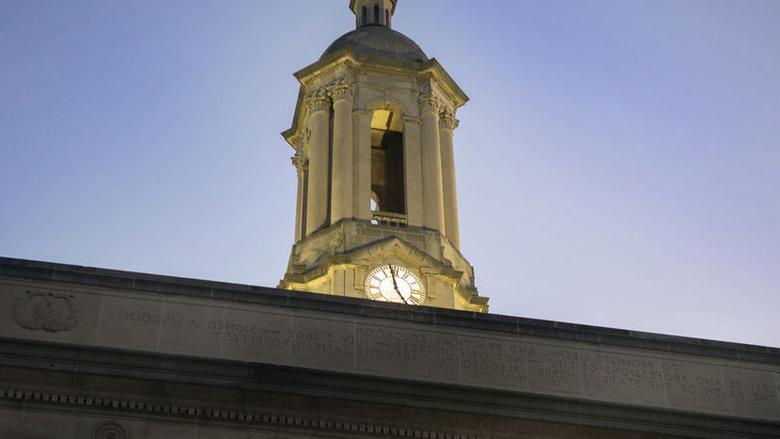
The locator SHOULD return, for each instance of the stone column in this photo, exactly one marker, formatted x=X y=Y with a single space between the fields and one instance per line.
x=341 y=198
x=317 y=202
x=300 y=163
x=447 y=125
x=414 y=173
x=362 y=187
x=431 y=164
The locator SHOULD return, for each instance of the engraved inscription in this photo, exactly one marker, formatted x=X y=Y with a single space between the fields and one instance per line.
x=392 y=349
x=233 y=332
x=252 y=336
x=625 y=378
x=320 y=340
x=325 y=344
x=678 y=378
x=752 y=391
x=50 y=312
x=696 y=385
x=153 y=318
x=494 y=361
x=403 y=353
x=244 y=333
x=554 y=368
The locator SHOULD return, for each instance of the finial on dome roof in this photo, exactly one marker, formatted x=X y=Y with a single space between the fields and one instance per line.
x=373 y=12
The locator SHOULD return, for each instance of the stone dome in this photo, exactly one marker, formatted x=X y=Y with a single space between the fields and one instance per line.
x=379 y=41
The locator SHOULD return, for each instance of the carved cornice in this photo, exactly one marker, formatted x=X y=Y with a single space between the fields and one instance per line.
x=321 y=246
x=449 y=88
x=429 y=87
x=318 y=100
x=348 y=65
x=135 y=407
x=392 y=73
x=296 y=140
x=340 y=68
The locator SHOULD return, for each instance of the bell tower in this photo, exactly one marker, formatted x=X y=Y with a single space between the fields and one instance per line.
x=377 y=212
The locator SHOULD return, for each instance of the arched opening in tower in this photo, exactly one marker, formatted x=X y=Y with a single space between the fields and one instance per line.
x=387 y=162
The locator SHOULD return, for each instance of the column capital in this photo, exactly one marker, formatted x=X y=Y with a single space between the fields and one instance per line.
x=428 y=103
x=447 y=120
x=299 y=161
x=340 y=90
x=317 y=100
x=301 y=164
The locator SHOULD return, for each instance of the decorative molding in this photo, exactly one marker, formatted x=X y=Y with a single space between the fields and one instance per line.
x=318 y=100
x=345 y=67
x=429 y=86
x=428 y=103
x=110 y=430
x=447 y=120
x=296 y=140
x=50 y=312
x=299 y=161
x=134 y=407
x=436 y=75
x=393 y=73
x=340 y=90
x=428 y=76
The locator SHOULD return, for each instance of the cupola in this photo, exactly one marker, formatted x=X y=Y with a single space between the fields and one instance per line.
x=376 y=213
x=373 y=12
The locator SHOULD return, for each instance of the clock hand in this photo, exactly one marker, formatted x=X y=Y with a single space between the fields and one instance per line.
x=395 y=285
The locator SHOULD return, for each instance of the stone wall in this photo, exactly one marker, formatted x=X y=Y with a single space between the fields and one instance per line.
x=164 y=317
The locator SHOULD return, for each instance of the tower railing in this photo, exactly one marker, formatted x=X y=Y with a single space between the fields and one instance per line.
x=389 y=219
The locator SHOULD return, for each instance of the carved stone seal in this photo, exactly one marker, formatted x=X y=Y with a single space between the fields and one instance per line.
x=42 y=311
x=110 y=430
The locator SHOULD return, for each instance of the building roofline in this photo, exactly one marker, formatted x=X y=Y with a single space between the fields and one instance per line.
x=12 y=268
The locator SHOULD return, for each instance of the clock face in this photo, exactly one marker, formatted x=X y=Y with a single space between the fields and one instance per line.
x=394 y=283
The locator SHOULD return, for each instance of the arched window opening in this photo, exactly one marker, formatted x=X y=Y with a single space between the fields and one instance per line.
x=387 y=166
x=364 y=16
x=376 y=14
x=387 y=17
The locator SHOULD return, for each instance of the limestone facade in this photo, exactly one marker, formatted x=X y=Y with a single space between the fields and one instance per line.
x=89 y=353
x=343 y=98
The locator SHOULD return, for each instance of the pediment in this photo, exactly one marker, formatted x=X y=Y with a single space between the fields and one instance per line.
x=396 y=250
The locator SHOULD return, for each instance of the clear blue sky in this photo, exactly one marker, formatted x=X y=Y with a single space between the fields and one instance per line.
x=618 y=164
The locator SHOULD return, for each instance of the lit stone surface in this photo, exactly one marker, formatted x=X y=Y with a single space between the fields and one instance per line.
x=389 y=144
x=321 y=343
x=87 y=353
x=379 y=347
